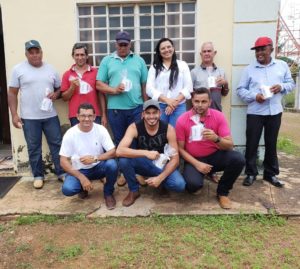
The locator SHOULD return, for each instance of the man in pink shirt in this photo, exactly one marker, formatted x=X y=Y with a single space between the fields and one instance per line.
x=206 y=145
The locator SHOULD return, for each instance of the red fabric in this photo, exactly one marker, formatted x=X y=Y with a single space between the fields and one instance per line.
x=214 y=120
x=77 y=98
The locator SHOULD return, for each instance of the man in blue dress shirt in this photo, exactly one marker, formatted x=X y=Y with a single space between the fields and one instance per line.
x=262 y=86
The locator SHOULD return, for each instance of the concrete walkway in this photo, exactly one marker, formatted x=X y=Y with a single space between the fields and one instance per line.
x=261 y=198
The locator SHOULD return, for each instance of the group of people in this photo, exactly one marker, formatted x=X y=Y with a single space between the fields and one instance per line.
x=146 y=111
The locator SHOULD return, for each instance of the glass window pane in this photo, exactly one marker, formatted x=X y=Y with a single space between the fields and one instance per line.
x=100 y=47
x=145 y=46
x=99 y=59
x=90 y=60
x=173 y=19
x=173 y=32
x=100 y=35
x=147 y=58
x=114 y=22
x=128 y=10
x=84 y=11
x=188 y=7
x=172 y=7
x=159 y=33
x=89 y=47
x=99 y=10
x=131 y=32
x=85 y=36
x=176 y=44
x=159 y=9
x=159 y=20
x=128 y=22
x=145 y=9
x=188 y=19
x=145 y=33
x=188 y=44
x=112 y=34
x=85 y=23
x=99 y=22
x=145 y=21
x=188 y=57
x=188 y=31
x=114 y=10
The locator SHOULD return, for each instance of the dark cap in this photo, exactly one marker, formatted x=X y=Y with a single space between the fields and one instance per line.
x=123 y=37
x=262 y=42
x=151 y=103
x=32 y=44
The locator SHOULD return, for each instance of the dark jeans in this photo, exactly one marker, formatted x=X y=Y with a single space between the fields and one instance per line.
x=120 y=119
x=145 y=167
x=255 y=126
x=231 y=162
x=75 y=121
x=33 y=130
x=107 y=169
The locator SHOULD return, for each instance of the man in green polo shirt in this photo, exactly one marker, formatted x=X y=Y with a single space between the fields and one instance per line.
x=122 y=76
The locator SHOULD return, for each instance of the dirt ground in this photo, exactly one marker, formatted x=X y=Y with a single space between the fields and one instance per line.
x=290 y=126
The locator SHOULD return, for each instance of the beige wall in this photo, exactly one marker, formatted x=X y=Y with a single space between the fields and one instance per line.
x=54 y=24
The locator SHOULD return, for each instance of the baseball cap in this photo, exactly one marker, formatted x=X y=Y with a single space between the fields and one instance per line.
x=123 y=37
x=151 y=103
x=32 y=44
x=262 y=41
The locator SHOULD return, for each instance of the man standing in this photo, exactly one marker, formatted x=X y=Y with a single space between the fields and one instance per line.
x=91 y=151
x=151 y=135
x=262 y=86
x=208 y=75
x=205 y=144
x=122 y=76
x=39 y=85
x=79 y=86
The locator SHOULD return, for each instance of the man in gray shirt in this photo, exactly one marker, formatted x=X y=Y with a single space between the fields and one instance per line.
x=208 y=75
x=39 y=85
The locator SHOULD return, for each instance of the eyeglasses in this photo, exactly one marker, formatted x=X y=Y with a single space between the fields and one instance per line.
x=83 y=116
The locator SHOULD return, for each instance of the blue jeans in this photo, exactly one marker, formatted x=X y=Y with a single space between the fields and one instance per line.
x=33 y=135
x=108 y=169
x=145 y=167
x=172 y=119
x=120 y=119
x=75 y=121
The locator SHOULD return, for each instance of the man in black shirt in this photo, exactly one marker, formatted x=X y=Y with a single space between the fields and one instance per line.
x=151 y=135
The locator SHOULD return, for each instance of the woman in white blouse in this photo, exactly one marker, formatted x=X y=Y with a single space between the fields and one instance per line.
x=169 y=81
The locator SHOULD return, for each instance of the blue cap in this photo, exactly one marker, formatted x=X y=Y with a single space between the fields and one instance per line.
x=32 y=44
x=123 y=37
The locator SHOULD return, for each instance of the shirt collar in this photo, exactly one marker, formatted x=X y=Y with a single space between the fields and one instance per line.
x=116 y=56
x=204 y=67
x=74 y=69
x=192 y=113
x=257 y=64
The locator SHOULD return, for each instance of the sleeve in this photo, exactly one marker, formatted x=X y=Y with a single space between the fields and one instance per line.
x=193 y=76
x=102 y=74
x=179 y=129
x=57 y=81
x=151 y=91
x=107 y=142
x=288 y=84
x=223 y=127
x=144 y=73
x=243 y=90
x=14 y=80
x=65 y=83
x=187 y=81
x=66 y=146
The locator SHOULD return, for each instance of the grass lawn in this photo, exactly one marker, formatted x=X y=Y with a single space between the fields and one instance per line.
x=156 y=242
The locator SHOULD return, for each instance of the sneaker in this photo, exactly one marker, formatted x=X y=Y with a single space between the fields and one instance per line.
x=38 y=183
x=224 y=202
x=110 y=202
x=121 y=181
x=83 y=194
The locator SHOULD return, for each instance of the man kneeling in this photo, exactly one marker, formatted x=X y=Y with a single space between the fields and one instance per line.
x=91 y=151
x=206 y=146
x=151 y=135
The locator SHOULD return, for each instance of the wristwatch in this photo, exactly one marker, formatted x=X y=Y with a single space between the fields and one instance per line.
x=95 y=159
x=218 y=139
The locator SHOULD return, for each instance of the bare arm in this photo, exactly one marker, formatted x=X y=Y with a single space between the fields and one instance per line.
x=89 y=159
x=105 y=88
x=144 y=94
x=67 y=95
x=12 y=98
x=124 y=149
x=225 y=143
x=102 y=101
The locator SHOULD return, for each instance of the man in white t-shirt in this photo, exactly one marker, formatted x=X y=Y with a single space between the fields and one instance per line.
x=39 y=85
x=87 y=153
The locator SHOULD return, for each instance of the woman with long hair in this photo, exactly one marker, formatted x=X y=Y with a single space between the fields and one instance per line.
x=169 y=81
